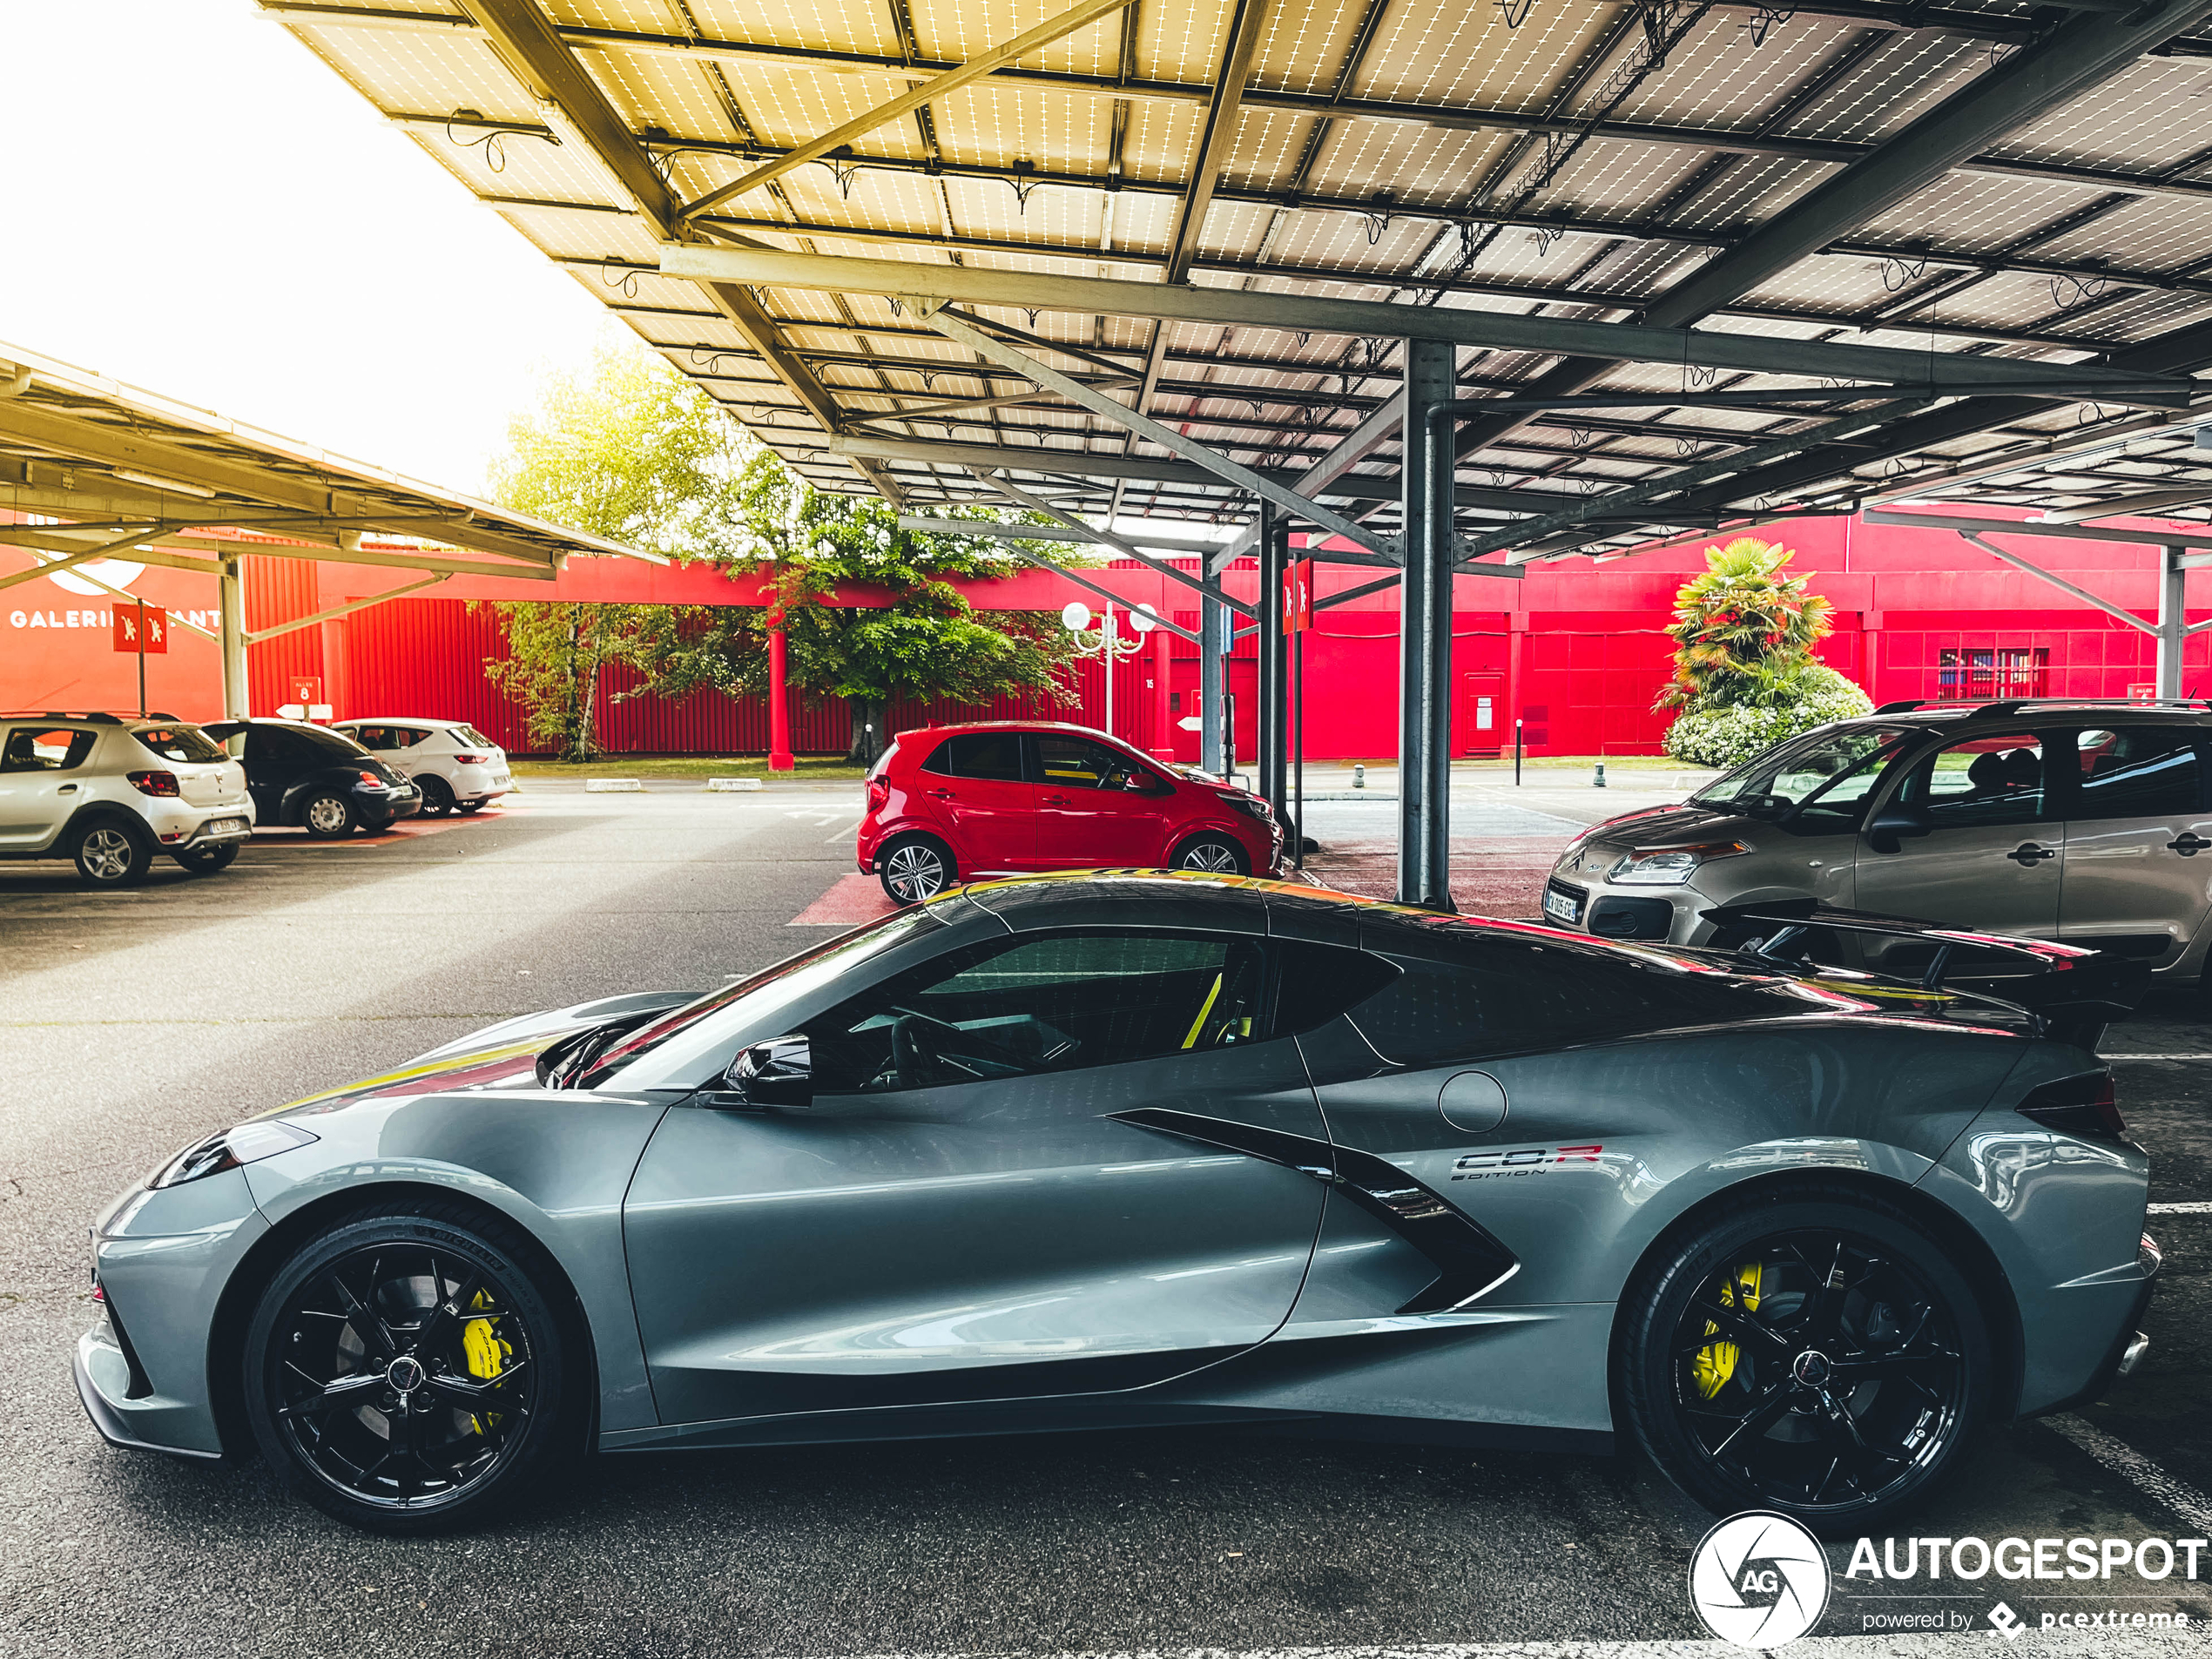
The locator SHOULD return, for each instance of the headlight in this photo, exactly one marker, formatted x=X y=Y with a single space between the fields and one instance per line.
x=247 y=1143
x=1253 y=806
x=1669 y=867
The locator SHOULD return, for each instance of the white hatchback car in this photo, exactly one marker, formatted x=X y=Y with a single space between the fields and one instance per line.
x=111 y=790
x=453 y=763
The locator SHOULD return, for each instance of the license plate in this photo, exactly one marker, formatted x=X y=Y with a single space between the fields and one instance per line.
x=227 y=826
x=1562 y=906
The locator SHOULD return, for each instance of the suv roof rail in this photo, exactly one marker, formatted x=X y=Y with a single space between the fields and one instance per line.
x=95 y=716
x=2014 y=705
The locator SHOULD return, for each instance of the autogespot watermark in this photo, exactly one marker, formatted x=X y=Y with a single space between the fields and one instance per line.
x=1761 y=1581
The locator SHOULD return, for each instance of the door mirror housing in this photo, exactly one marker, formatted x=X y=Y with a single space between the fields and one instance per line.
x=1896 y=821
x=778 y=1075
x=1148 y=782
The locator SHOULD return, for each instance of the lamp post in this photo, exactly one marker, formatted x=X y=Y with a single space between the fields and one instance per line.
x=1106 y=641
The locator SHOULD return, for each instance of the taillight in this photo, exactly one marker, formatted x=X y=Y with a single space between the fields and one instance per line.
x=371 y=780
x=878 y=793
x=154 y=783
x=2082 y=1106
x=472 y=760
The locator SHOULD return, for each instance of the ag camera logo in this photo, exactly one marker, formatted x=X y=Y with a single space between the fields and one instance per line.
x=1759 y=1580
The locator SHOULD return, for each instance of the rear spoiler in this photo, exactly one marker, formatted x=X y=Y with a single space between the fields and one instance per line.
x=2073 y=993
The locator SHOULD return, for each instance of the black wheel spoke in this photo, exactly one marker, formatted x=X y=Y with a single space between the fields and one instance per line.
x=1848 y=1372
x=372 y=1381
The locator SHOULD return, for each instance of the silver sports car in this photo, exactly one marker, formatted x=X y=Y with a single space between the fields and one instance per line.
x=1129 y=1150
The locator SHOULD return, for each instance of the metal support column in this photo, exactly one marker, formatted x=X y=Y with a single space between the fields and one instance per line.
x=2173 y=624
x=1424 y=628
x=236 y=704
x=1212 y=677
x=1274 y=680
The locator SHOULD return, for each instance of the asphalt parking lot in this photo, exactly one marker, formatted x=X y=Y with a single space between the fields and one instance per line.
x=133 y=1022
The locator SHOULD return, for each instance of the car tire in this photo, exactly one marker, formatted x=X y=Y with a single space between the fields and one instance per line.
x=111 y=854
x=471 y=806
x=378 y=1299
x=437 y=795
x=206 y=861
x=1210 y=851
x=915 y=867
x=1760 y=1423
x=328 y=815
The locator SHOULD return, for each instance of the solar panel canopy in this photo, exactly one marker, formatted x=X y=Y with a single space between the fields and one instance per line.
x=1956 y=233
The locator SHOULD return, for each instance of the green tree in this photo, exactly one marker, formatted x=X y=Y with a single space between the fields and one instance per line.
x=629 y=450
x=1745 y=676
x=916 y=635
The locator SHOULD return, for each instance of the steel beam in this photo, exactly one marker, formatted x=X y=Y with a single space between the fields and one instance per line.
x=1209 y=590
x=2077 y=55
x=921 y=285
x=1029 y=555
x=346 y=610
x=68 y=559
x=1989 y=524
x=237 y=703
x=1174 y=442
x=1081 y=14
x=2173 y=631
x=1425 y=634
x=1165 y=539
x=2060 y=581
x=1274 y=758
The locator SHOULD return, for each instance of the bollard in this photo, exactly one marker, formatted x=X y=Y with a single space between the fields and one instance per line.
x=1598 y=782
x=1359 y=777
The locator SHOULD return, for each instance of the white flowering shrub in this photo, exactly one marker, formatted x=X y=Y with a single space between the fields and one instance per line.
x=1724 y=736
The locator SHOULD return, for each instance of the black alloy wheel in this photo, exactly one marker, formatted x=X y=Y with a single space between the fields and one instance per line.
x=109 y=855
x=405 y=1371
x=1818 y=1357
x=1213 y=852
x=206 y=861
x=328 y=815
x=916 y=868
x=437 y=795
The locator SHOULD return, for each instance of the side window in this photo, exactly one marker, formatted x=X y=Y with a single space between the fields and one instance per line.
x=2138 y=772
x=1981 y=781
x=405 y=737
x=1500 y=996
x=1055 y=1002
x=369 y=737
x=988 y=755
x=1078 y=763
x=28 y=749
x=272 y=747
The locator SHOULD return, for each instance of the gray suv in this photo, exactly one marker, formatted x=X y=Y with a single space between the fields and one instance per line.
x=2075 y=820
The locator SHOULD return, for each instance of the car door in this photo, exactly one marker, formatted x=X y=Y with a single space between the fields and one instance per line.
x=42 y=781
x=1993 y=856
x=979 y=784
x=2137 y=828
x=1096 y=807
x=274 y=760
x=973 y=1206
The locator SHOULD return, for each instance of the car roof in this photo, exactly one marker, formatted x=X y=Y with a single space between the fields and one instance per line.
x=396 y=719
x=1004 y=725
x=2027 y=710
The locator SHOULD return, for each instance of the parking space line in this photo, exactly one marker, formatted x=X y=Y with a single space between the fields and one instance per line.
x=2191 y=1208
x=2184 y=1500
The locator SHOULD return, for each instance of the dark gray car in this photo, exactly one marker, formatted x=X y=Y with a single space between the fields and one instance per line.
x=2077 y=821
x=1149 y=1150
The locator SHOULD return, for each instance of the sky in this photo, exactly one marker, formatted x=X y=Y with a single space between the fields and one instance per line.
x=195 y=205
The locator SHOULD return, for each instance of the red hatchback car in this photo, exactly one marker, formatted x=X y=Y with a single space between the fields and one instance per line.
x=947 y=804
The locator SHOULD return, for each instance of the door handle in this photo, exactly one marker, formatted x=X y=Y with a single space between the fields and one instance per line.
x=941 y=794
x=1061 y=801
x=70 y=789
x=2027 y=853
x=2189 y=845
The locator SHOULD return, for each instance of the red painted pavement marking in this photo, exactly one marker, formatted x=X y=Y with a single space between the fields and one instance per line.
x=851 y=900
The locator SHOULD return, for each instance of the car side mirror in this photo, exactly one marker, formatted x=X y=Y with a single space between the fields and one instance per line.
x=775 y=1074
x=1896 y=821
x=1144 y=783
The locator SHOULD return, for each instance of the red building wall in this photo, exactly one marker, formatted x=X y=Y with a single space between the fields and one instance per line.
x=1577 y=650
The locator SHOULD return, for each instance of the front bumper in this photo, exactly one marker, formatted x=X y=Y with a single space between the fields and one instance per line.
x=383 y=805
x=1655 y=914
x=102 y=1380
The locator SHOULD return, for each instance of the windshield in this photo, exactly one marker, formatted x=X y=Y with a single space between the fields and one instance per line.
x=698 y=1030
x=1824 y=774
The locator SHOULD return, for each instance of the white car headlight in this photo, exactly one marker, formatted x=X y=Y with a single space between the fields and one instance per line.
x=1669 y=867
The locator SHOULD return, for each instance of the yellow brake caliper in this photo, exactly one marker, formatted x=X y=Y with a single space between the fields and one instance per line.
x=1716 y=1362
x=488 y=1354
